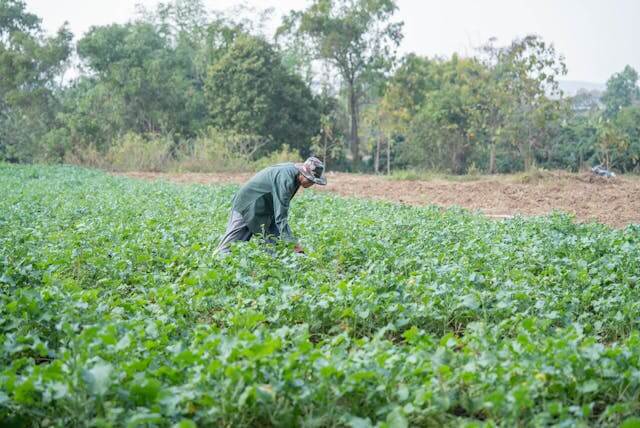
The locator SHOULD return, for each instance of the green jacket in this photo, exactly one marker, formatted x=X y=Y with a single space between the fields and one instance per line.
x=264 y=200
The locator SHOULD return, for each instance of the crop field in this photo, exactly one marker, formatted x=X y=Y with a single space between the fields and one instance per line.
x=116 y=311
x=614 y=202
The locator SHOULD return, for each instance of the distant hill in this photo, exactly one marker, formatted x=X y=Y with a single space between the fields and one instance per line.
x=571 y=87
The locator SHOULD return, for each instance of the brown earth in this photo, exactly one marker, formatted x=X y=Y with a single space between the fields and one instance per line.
x=614 y=201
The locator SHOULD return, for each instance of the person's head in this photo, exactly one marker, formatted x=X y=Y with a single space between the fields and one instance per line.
x=304 y=181
x=311 y=172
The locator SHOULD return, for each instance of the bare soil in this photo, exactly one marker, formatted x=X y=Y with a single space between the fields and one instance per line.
x=613 y=201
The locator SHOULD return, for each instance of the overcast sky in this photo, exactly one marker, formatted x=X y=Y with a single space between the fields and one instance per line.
x=597 y=37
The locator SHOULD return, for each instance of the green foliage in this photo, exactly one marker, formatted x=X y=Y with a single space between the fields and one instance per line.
x=91 y=115
x=527 y=73
x=30 y=63
x=285 y=154
x=444 y=130
x=167 y=75
x=628 y=122
x=611 y=143
x=115 y=311
x=330 y=83
x=132 y=152
x=250 y=91
x=146 y=81
x=622 y=91
x=329 y=143
x=574 y=146
x=219 y=150
x=497 y=112
x=355 y=37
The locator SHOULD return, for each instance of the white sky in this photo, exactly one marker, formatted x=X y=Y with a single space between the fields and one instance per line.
x=597 y=37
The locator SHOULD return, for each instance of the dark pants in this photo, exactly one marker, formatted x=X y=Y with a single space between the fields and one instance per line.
x=237 y=230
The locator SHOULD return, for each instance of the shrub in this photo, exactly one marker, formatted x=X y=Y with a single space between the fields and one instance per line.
x=86 y=156
x=219 y=150
x=285 y=154
x=134 y=152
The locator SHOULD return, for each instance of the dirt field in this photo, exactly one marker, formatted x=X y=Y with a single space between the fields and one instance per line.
x=615 y=201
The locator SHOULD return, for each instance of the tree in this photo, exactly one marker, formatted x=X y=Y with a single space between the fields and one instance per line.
x=385 y=119
x=527 y=93
x=249 y=91
x=622 y=91
x=586 y=102
x=447 y=124
x=140 y=66
x=403 y=96
x=627 y=121
x=30 y=67
x=328 y=143
x=573 y=146
x=148 y=76
x=92 y=114
x=356 y=37
x=436 y=106
x=611 y=143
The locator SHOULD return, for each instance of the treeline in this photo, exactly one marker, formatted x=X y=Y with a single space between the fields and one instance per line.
x=179 y=87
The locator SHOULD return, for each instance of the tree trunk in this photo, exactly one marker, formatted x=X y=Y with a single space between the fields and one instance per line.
x=580 y=160
x=388 y=156
x=324 y=154
x=353 y=112
x=492 y=159
x=454 y=161
x=525 y=154
x=377 y=161
x=458 y=158
x=528 y=159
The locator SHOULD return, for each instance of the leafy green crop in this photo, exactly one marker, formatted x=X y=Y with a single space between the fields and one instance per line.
x=114 y=310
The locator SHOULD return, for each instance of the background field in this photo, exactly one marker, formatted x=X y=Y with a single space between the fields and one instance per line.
x=114 y=310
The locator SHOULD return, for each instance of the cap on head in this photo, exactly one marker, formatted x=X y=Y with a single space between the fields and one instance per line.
x=313 y=169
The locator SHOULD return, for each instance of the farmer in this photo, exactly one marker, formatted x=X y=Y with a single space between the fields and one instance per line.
x=262 y=204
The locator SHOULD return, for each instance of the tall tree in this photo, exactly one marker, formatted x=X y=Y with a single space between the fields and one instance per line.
x=328 y=144
x=250 y=91
x=622 y=91
x=627 y=121
x=403 y=97
x=356 y=37
x=31 y=65
x=444 y=130
x=138 y=64
x=612 y=142
x=526 y=72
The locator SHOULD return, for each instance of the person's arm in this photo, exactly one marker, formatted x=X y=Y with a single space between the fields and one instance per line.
x=282 y=192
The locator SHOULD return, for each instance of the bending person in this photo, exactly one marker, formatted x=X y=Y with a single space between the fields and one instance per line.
x=262 y=204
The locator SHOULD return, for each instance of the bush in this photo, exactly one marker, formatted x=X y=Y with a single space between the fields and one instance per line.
x=213 y=151
x=221 y=150
x=55 y=144
x=285 y=154
x=87 y=156
x=134 y=152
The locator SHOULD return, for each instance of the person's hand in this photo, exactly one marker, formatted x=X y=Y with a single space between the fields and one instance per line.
x=298 y=249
